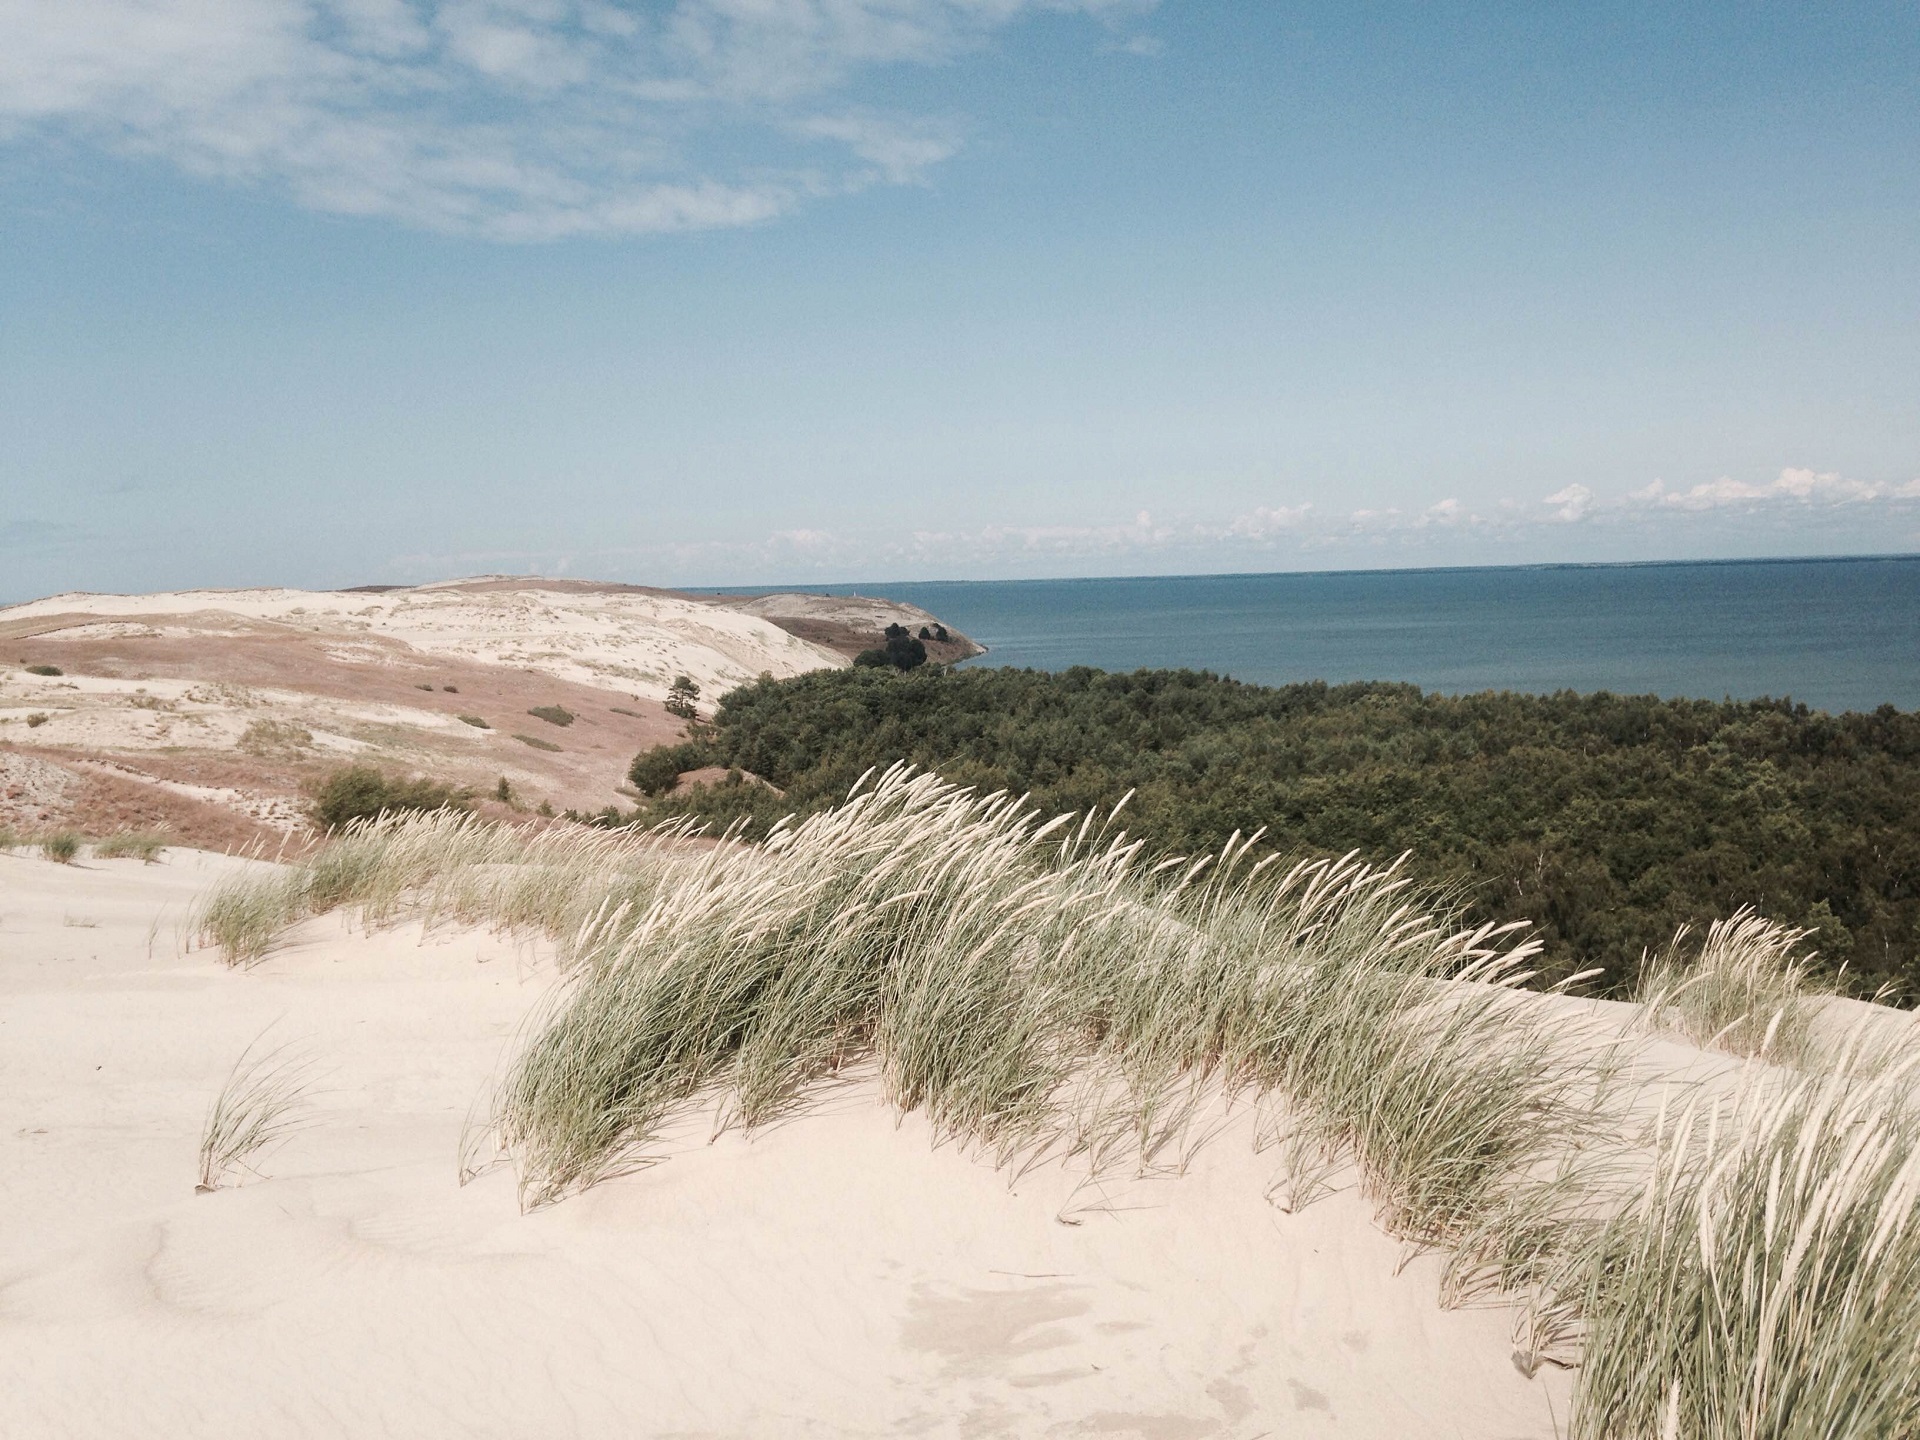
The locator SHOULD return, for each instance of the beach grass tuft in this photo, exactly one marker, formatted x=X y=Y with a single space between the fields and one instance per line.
x=1749 y=988
x=261 y=1103
x=61 y=846
x=142 y=845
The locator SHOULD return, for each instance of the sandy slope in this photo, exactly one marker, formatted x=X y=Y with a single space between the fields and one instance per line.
x=212 y=710
x=835 y=1275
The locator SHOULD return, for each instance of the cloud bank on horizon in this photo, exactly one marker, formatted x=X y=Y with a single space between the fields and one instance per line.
x=515 y=120
x=1819 y=505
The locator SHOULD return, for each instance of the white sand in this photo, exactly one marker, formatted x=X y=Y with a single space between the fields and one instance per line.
x=836 y=1275
x=634 y=643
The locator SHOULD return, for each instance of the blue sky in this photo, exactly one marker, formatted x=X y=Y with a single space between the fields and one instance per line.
x=750 y=291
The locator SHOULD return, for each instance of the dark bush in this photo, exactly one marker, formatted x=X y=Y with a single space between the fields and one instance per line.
x=552 y=714
x=902 y=651
x=682 y=698
x=45 y=670
x=654 y=771
x=361 y=792
x=536 y=742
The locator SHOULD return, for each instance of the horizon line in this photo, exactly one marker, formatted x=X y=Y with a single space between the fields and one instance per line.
x=802 y=588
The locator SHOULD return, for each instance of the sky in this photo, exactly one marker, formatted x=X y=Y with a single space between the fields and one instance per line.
x=709 y=292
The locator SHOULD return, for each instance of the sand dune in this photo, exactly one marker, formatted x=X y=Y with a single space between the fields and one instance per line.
x=837 y=1274
x=211 y=710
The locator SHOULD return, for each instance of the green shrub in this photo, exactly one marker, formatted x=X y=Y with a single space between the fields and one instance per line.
x=45 y=670
x=361 y=792
x=552 y=714
x=654 y=771
x=61 y=846
x=476 y=722
x=536 y=742
x=902 y=651
x=37 y=719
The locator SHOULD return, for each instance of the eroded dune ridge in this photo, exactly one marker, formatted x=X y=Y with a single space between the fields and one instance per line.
x=205 y=712
x=925 y=1117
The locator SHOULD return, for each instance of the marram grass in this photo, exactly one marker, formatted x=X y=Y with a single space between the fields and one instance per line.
x=1749 y=990
x=1744 y=1266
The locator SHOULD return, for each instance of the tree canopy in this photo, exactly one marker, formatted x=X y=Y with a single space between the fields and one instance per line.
x=1607 y=820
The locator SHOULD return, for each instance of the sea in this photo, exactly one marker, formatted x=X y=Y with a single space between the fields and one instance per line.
x=1834 y=634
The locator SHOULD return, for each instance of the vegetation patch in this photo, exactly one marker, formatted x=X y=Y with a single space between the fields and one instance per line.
x=275 y=737
x=552 y=714
x=1609 y=821
x=475 y=721
x=537 y=743
x=144 y=846
x=655 y=771
x=900 y=651
x=361 y=792
x=45 y=670
x=61 y=846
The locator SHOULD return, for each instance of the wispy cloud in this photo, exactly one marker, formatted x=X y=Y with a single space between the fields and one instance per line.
x=1805 y=488
x=511 y=119
x=1573 y=522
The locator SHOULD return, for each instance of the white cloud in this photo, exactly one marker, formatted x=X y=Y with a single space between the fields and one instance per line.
x=1805 y=487
x=1264 y=521
x=1574 y=502
x=514 y=119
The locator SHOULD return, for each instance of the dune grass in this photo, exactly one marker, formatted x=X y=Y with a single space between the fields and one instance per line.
x=1747 y=1266
x=1765 y=1281
x=586 y=887
x=261 y=1103
x=1749 y=990
x=61 y=846
x=144 y=846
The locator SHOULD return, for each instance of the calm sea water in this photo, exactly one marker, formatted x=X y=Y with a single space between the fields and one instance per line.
x=1835 y=634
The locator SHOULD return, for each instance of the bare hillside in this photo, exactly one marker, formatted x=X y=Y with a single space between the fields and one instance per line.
x=207 y=713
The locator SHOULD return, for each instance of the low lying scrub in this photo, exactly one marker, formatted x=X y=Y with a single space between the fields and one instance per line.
x=361 y=792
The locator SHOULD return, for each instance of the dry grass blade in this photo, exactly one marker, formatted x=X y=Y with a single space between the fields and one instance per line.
x=262 y=1102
